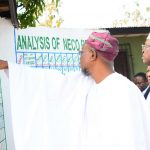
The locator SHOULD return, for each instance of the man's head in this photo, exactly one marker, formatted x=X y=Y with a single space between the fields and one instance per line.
x=146 y=51
x=140 y=80
x=98 y=45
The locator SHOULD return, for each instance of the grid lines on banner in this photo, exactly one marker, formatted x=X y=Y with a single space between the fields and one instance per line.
x=63 y=62
x=3 y=145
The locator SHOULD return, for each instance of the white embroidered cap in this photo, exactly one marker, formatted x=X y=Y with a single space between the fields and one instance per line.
x=148 y=37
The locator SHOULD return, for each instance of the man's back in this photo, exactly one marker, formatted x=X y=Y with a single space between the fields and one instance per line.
x=115 y=117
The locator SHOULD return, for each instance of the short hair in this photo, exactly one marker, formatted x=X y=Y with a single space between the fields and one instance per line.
x=141 y=74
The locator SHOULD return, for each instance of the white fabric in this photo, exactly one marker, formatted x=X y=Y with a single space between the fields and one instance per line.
x=148 y=37
x=55 y=112
x=148 y=100
x=144 y=91
x=148 y=97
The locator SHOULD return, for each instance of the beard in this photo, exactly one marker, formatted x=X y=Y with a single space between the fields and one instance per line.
x=85 y=72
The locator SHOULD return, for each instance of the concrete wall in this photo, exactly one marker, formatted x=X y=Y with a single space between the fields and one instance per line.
x=6 y=30
x=6 y=52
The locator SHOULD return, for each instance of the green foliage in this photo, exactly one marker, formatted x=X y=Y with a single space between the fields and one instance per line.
x=57 y=1
x=51 y=16
x=28 y=11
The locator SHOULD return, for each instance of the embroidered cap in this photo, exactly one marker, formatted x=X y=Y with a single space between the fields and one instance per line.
x=105 y=43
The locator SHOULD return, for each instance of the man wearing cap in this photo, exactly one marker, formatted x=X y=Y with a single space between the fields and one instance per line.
x=96 y=109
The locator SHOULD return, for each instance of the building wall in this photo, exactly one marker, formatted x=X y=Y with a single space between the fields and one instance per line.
x=136 y=52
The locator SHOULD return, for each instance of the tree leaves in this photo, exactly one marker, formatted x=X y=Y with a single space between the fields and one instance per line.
x=51 y=15
x=29 y=11
x=134 y=17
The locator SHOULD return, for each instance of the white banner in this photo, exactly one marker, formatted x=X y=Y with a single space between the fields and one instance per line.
x=50 y=48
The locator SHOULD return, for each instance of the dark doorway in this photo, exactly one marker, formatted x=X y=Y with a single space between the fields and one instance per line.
x=121 y=64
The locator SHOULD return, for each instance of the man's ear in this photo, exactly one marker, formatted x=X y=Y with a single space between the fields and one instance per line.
x=93 y=55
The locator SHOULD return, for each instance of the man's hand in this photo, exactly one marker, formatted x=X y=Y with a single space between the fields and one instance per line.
x=3 y=64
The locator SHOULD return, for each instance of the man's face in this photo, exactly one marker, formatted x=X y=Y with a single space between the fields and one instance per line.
x=148 y=74
x=85 y=55
x=146 y=52
x=140 y=82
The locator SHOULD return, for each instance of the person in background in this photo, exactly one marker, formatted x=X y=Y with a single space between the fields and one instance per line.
x=147 y=91
x=146 y=60
x=140 y=81
x=148 y=74
x=99 y=109
x=146 y=51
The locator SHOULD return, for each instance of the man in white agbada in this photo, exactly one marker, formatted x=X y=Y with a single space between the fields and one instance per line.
x=96 y=109
x=148 y=88
x=146 y=60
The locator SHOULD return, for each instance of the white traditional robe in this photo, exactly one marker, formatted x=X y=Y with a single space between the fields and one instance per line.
x=50 y=111
x=148 y=97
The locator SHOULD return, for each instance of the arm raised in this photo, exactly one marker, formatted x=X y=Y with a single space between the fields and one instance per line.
x=3 y=64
